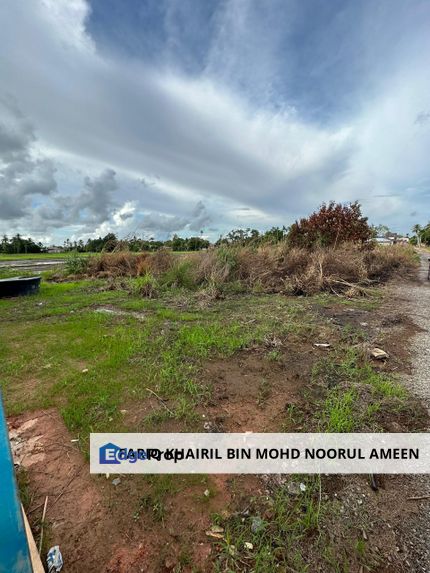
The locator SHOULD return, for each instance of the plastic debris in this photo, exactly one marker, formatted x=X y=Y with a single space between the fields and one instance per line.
x=322 y=344
x=302 y=487
x=54 y=559
x=85 y=370
x=116 y=481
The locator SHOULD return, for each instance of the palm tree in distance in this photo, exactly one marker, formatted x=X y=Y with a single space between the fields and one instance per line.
x=417 y=230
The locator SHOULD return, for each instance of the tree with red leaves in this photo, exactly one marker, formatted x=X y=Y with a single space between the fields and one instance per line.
x=332 y=224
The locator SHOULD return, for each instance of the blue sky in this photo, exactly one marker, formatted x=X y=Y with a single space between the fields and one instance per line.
x=155 y=117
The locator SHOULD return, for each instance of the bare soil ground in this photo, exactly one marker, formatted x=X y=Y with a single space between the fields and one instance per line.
x=107 y=528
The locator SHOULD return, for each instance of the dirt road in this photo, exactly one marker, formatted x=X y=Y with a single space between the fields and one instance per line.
x=415 y=298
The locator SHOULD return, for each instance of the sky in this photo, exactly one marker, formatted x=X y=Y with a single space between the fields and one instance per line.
x=154 y=117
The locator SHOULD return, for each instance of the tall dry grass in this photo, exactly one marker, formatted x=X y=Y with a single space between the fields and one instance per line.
x=269 y=268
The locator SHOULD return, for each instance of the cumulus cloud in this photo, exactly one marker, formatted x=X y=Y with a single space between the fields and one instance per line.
x=22 y=174
x=94 y=204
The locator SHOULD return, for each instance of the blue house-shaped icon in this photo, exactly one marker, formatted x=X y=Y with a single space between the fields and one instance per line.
x=108 y=454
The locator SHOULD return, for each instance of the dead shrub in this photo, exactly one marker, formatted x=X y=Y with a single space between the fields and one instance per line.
x=384 y=262
x=161 y=261
x=119 y=264
x=216 y=266
x=348 y=269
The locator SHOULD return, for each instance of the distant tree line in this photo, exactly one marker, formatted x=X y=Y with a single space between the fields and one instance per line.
x=17 y=245
x=110 y=242
x=330 y=225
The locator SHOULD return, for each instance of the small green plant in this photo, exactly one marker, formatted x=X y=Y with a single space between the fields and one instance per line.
x=179 y=275
x=76 y=264
x=263 y=392
x=274 y=355
x=145 y=285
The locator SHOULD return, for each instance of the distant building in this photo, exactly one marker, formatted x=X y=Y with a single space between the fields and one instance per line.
x=391 y=240
x=55 y=249
x=383 y=240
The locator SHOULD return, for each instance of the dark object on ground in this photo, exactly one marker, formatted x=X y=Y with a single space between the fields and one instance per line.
x=18 y=286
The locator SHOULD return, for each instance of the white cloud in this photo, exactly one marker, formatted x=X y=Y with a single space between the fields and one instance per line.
x=193 y=138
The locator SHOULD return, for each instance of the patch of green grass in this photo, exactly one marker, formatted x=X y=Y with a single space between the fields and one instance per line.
x=355 y=394
x=270 y=536
x=56 y=350
x=338 y=412
x=179 y=275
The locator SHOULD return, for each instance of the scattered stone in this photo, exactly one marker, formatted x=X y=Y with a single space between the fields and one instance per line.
x=116 y=481
x=206 y=493
x=210 y=427
x=295 y=488
x=216 y=531
x=248 y=545
x=257 y=524
x=378 y=354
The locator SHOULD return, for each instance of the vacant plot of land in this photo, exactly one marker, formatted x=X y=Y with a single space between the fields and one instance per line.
x=82 y=357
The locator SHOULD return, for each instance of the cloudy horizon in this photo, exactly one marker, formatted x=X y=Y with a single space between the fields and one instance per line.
x=163 y=116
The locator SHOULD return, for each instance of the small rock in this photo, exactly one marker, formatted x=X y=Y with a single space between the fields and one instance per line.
x=294 y=488
x=322 y=344
x=378 y=354
x=206 y=493
x=85 y=370
x=217 y=529
x=248 y=545
x=215 y=535
x=116 y=481
x=257 y=524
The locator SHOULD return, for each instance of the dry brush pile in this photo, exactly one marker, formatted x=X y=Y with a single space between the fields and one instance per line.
x=347 y=268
